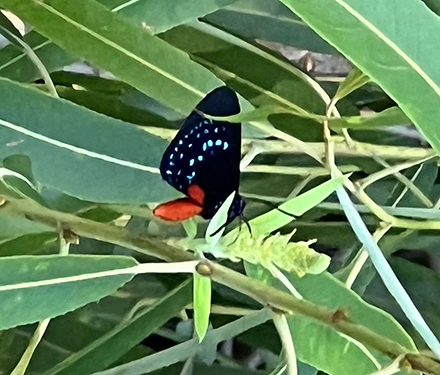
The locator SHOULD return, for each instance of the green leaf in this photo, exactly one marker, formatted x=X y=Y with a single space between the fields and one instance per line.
x=268 y=20
x=388 y=117
x=271 y=81
x=422 y=285
x=277 y=250
x=14 y=226
x=16 y=65
x=187 y=349
x=158 y=16
x=352 y=82
x=403 y=70
x=297 y=206
x=28 y=282
x=190 y=227
x=30 y=244
x=202 y=304
x=218 y=221
x=104 y=351
x=386 y=273
x=76 y=151
x=114 y=106
x=124 y=49
x=320 y=345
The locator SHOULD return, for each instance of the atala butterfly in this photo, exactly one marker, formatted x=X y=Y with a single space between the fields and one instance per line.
x=203 y=161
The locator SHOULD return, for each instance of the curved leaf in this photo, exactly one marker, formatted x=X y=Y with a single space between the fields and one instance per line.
x=403 y=69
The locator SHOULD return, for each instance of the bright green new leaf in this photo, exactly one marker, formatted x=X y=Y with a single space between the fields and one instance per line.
x=277 y=250
x=218 y=221
x=297 y=206
x=201 y=304
x=190 y=227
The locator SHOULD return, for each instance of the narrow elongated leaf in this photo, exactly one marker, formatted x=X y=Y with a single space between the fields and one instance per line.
x=159 y=16
x=185 y=350
x=386 y=273
x=271 y=81
x=275 y=218
x=398 y=64
x=107 y=349
x=268 y=20
x=426 y=299
x=388 y=117
x=28 y=282
x=16 y=65
x=321 y=346
x=76 y=150
x=202 y=304
x=128 y=51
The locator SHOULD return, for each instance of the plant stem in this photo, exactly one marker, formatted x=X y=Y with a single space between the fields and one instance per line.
x=21 y=367
x=266 y=295
x=283 y=330
x=362 y=256
x=357 y=149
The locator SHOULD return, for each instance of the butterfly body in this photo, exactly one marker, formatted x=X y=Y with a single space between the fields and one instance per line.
x=202 y=161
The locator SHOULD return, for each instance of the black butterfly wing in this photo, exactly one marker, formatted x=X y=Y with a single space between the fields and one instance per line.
x=206 y=153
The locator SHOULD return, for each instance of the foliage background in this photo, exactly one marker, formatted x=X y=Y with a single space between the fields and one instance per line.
x=90 y=96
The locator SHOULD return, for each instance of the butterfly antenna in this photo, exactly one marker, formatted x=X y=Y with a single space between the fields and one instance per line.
x=246 y=221
x=284 y=212
x=218 y=230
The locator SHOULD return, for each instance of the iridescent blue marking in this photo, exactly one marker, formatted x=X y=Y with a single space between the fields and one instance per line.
x=200 y=157
x=169 y=172
x=181 y=156
x=190 y=145
x=225 y=145
x=171 y=156
x=218 y=142
x=216 y=130
x=180 y=142
x=191 y=162
x=204 y=146
x=210 y=143
x=206 y=131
